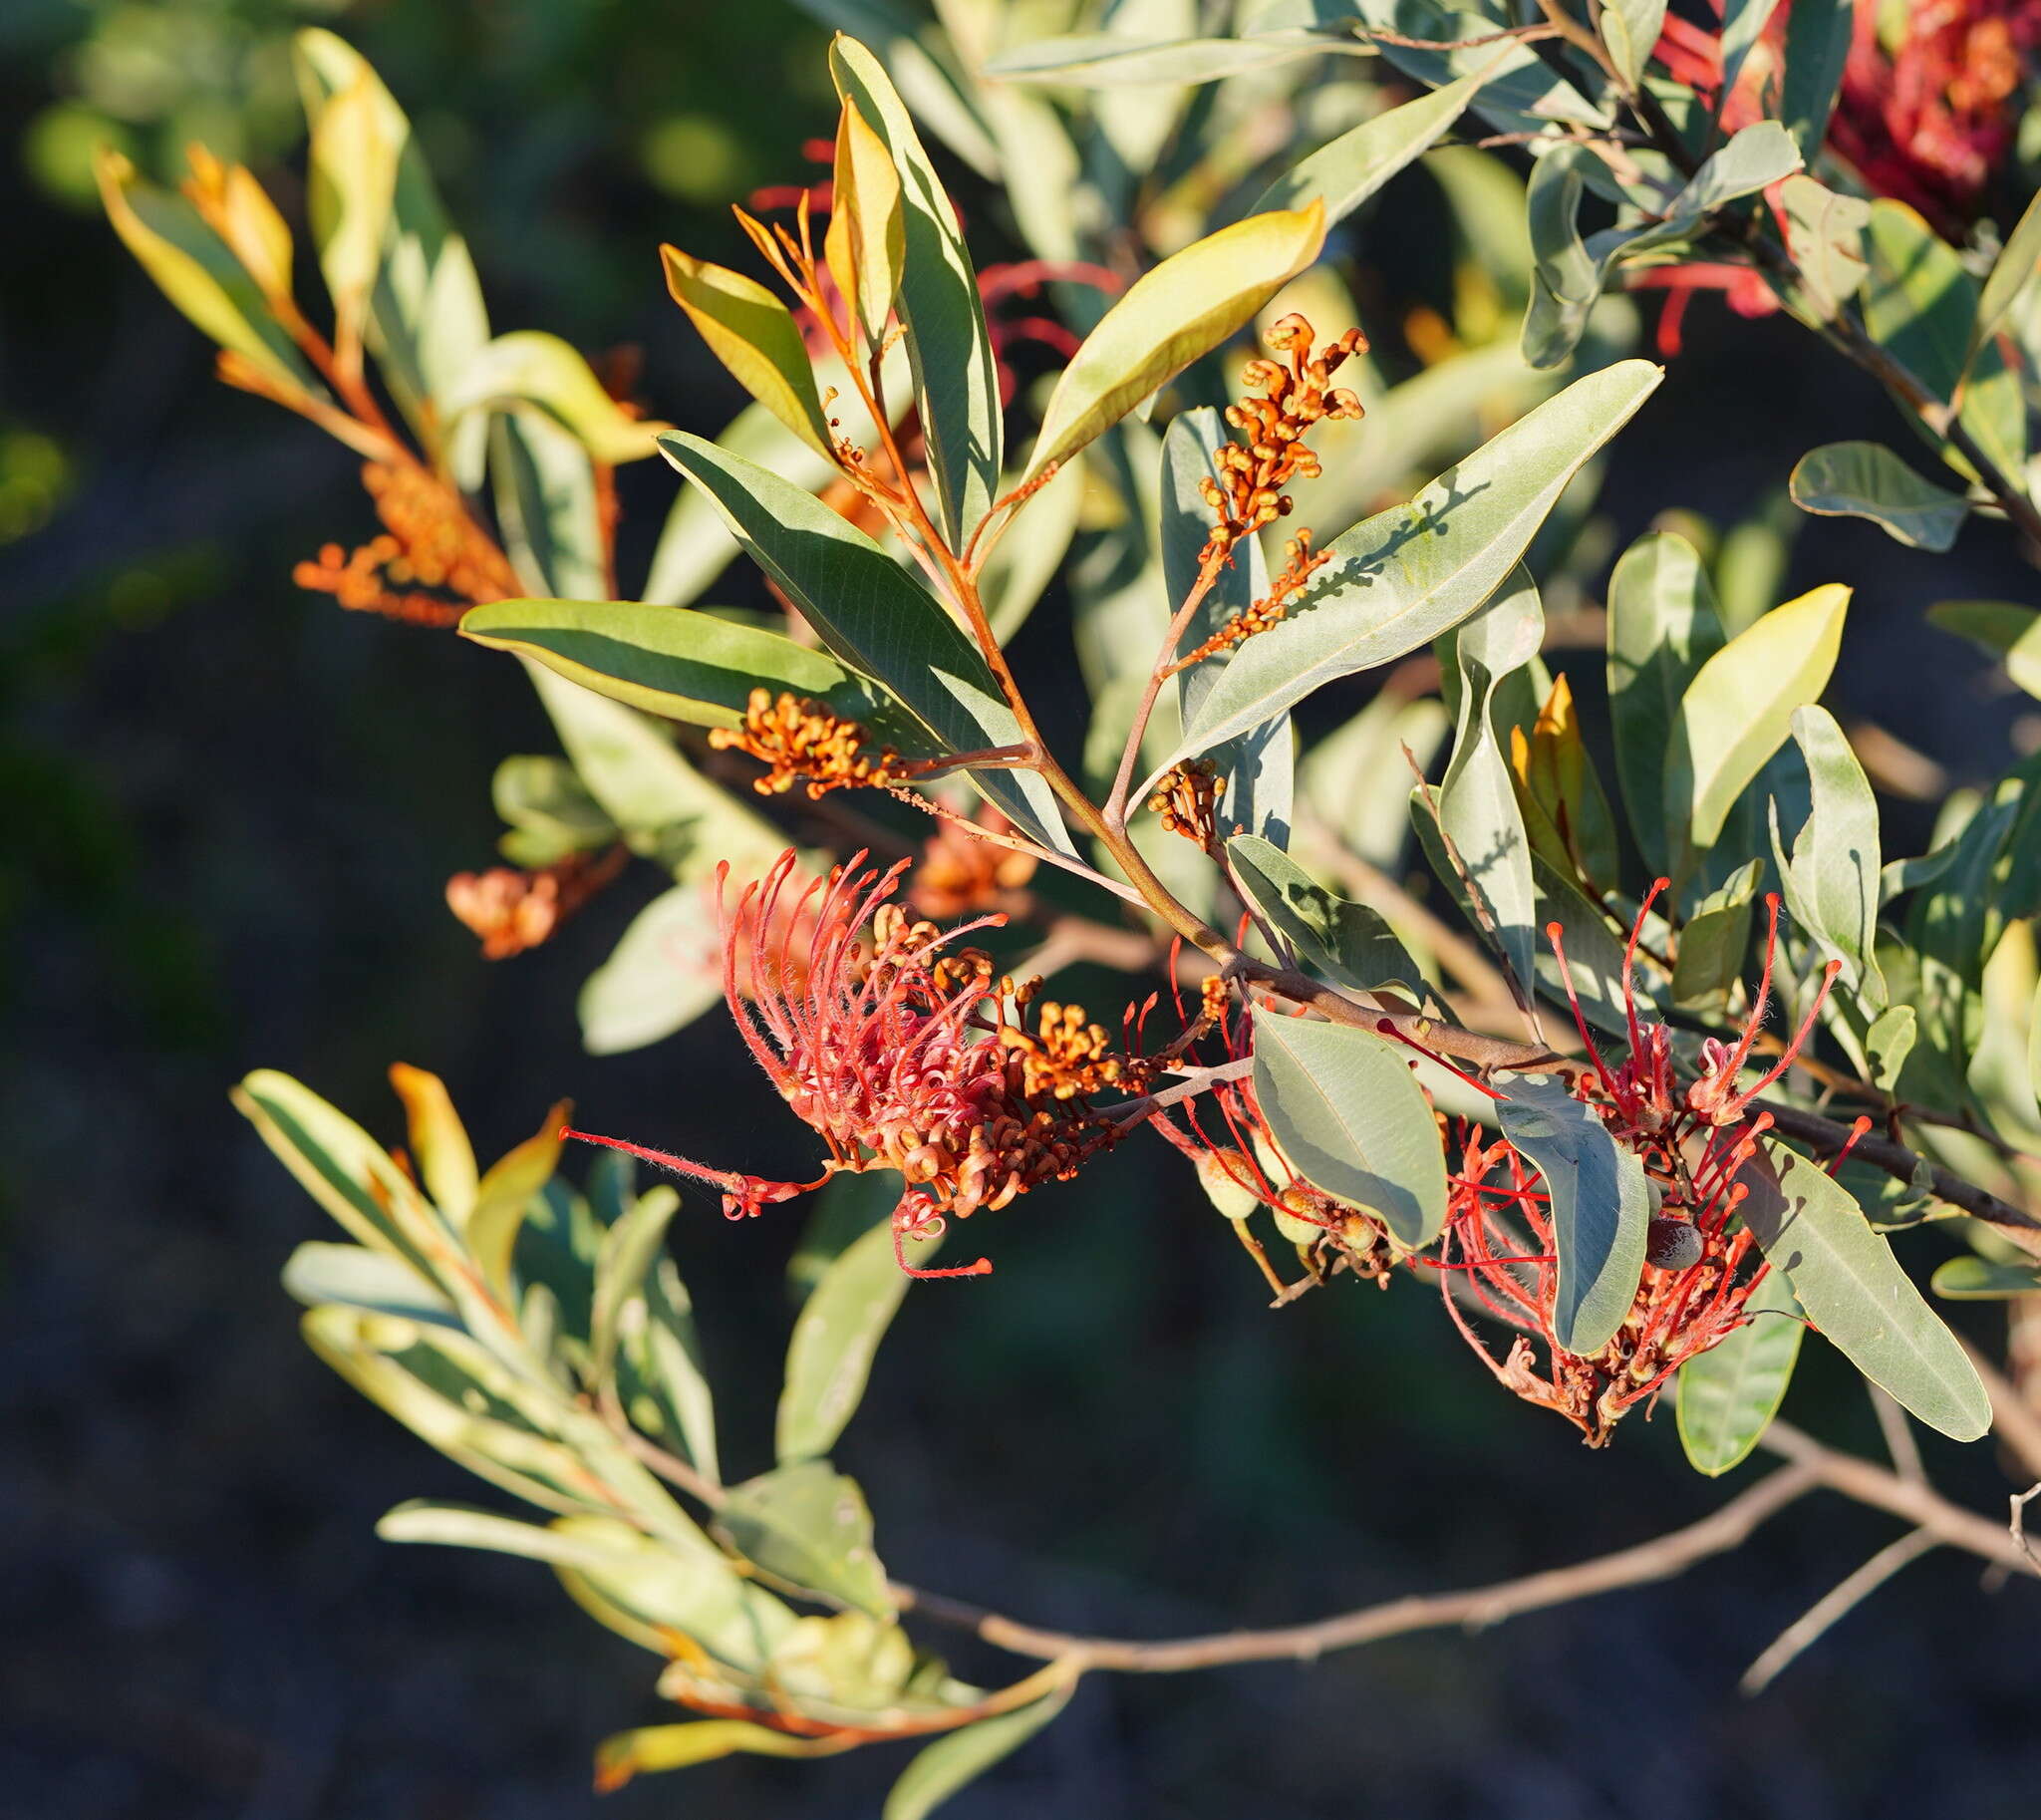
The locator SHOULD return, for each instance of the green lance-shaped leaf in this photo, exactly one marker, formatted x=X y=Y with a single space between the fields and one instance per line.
x=1345 y=172
x=1631 y=27
x=673 y=662
x=1347 y=943
x=1738 y=710
x=1830 y=882
x=193 y=267
x=2011 y=633
x=665 y=972
x=956 y=380
x=352 y=188
x=1565 y=278
x=1729 y=1393
x=1522 y=95
x=1347 y=1114
x=1922 y=304
x=2015 y=265
x=960 y=1757
x=1868 y=480
x=874 y=616
x=1183 y=309
x=546 y=504
x=1825 y=234
x=1856 y=1294
x=668 y=811
x=343 y=1168
x=356 y=1277
x=1712 y=944
x=1974 y=1279
x=1662 y=627
x=1817 y=46
x=866 y=245
x=1108 y=60
x=530 y=366
x=1397 y=580
x=1601 y=1206
x=808 y=1525
x=427 y=318
x=838 y=1335
x=1477 y=801
x=629 y=1250
x=752 y=333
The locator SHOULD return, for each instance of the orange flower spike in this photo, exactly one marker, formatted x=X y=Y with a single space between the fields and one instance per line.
x=805 y=742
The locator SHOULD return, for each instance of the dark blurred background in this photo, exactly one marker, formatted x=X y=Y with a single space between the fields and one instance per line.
x=228 y=812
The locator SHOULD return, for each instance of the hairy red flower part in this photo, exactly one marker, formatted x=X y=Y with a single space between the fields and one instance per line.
x=900 y=1052
x=1692 y=1142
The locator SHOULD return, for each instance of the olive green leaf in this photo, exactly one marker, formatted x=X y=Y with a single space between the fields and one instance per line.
x=1738 y=710
x=1347 y=943
x=1868 y=480
x=1345 y=173
x=665 y=972
x=837 y=1335
x=1825 y=233
x=1974 y=1279
x=1729 y=1393
x=1856 y=1294
x=1400 y=580
x=874 y=616
x=866 y=245
x=1831 y=881
x=754 y=334
x=956 y=380
x=1184 y=308
x=807 y=1525
x=530 y=366
x=1817 y=46
x=1631 y=27
x=960 y=1757
x=1601 y=1206
x=1347 y=1114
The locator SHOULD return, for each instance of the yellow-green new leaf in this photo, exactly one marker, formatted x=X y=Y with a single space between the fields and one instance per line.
x=195 y=271
x=353 y=158
x=530 y=366
x=1738 y=710
x=505 y=1192
x=754 y=334
x=866 y=245
x=1184 y=308
x=1729 y=1393
x=653 y=1747
x=439 y=1142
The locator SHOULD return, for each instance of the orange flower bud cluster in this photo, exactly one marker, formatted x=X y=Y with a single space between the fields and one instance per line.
x=1301 y=563
x=1066 y=1055
x=805 y=742
x=512 y=910
x=961 y=875
x=1187 y=799
x=431 y=548
x=1247 y=493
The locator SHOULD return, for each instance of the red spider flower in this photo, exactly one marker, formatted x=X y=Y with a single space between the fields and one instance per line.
x=1927 y=113
x=901 y=1054
x=1701 y=1265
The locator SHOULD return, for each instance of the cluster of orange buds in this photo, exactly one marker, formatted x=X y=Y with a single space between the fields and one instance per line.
x=807 y=741
x=431 y=548
x=1068 y=1055
x=1301 y=563
x=1247 y=493
x=512 y=909
x=1187 y=799
x=962 y=875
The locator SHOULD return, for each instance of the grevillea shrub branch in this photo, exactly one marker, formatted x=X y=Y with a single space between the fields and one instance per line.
x=1669 y=1066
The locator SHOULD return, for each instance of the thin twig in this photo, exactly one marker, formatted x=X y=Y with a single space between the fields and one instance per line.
x=1824 y=1612
x=2016 y=1520
x=1475 y=1609
x=1899 y=1433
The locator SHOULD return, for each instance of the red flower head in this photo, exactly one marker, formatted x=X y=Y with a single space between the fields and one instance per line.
x=900 y=1053
x=1701 y=1265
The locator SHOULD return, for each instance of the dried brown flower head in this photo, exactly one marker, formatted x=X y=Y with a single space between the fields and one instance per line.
x=1187 y=799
